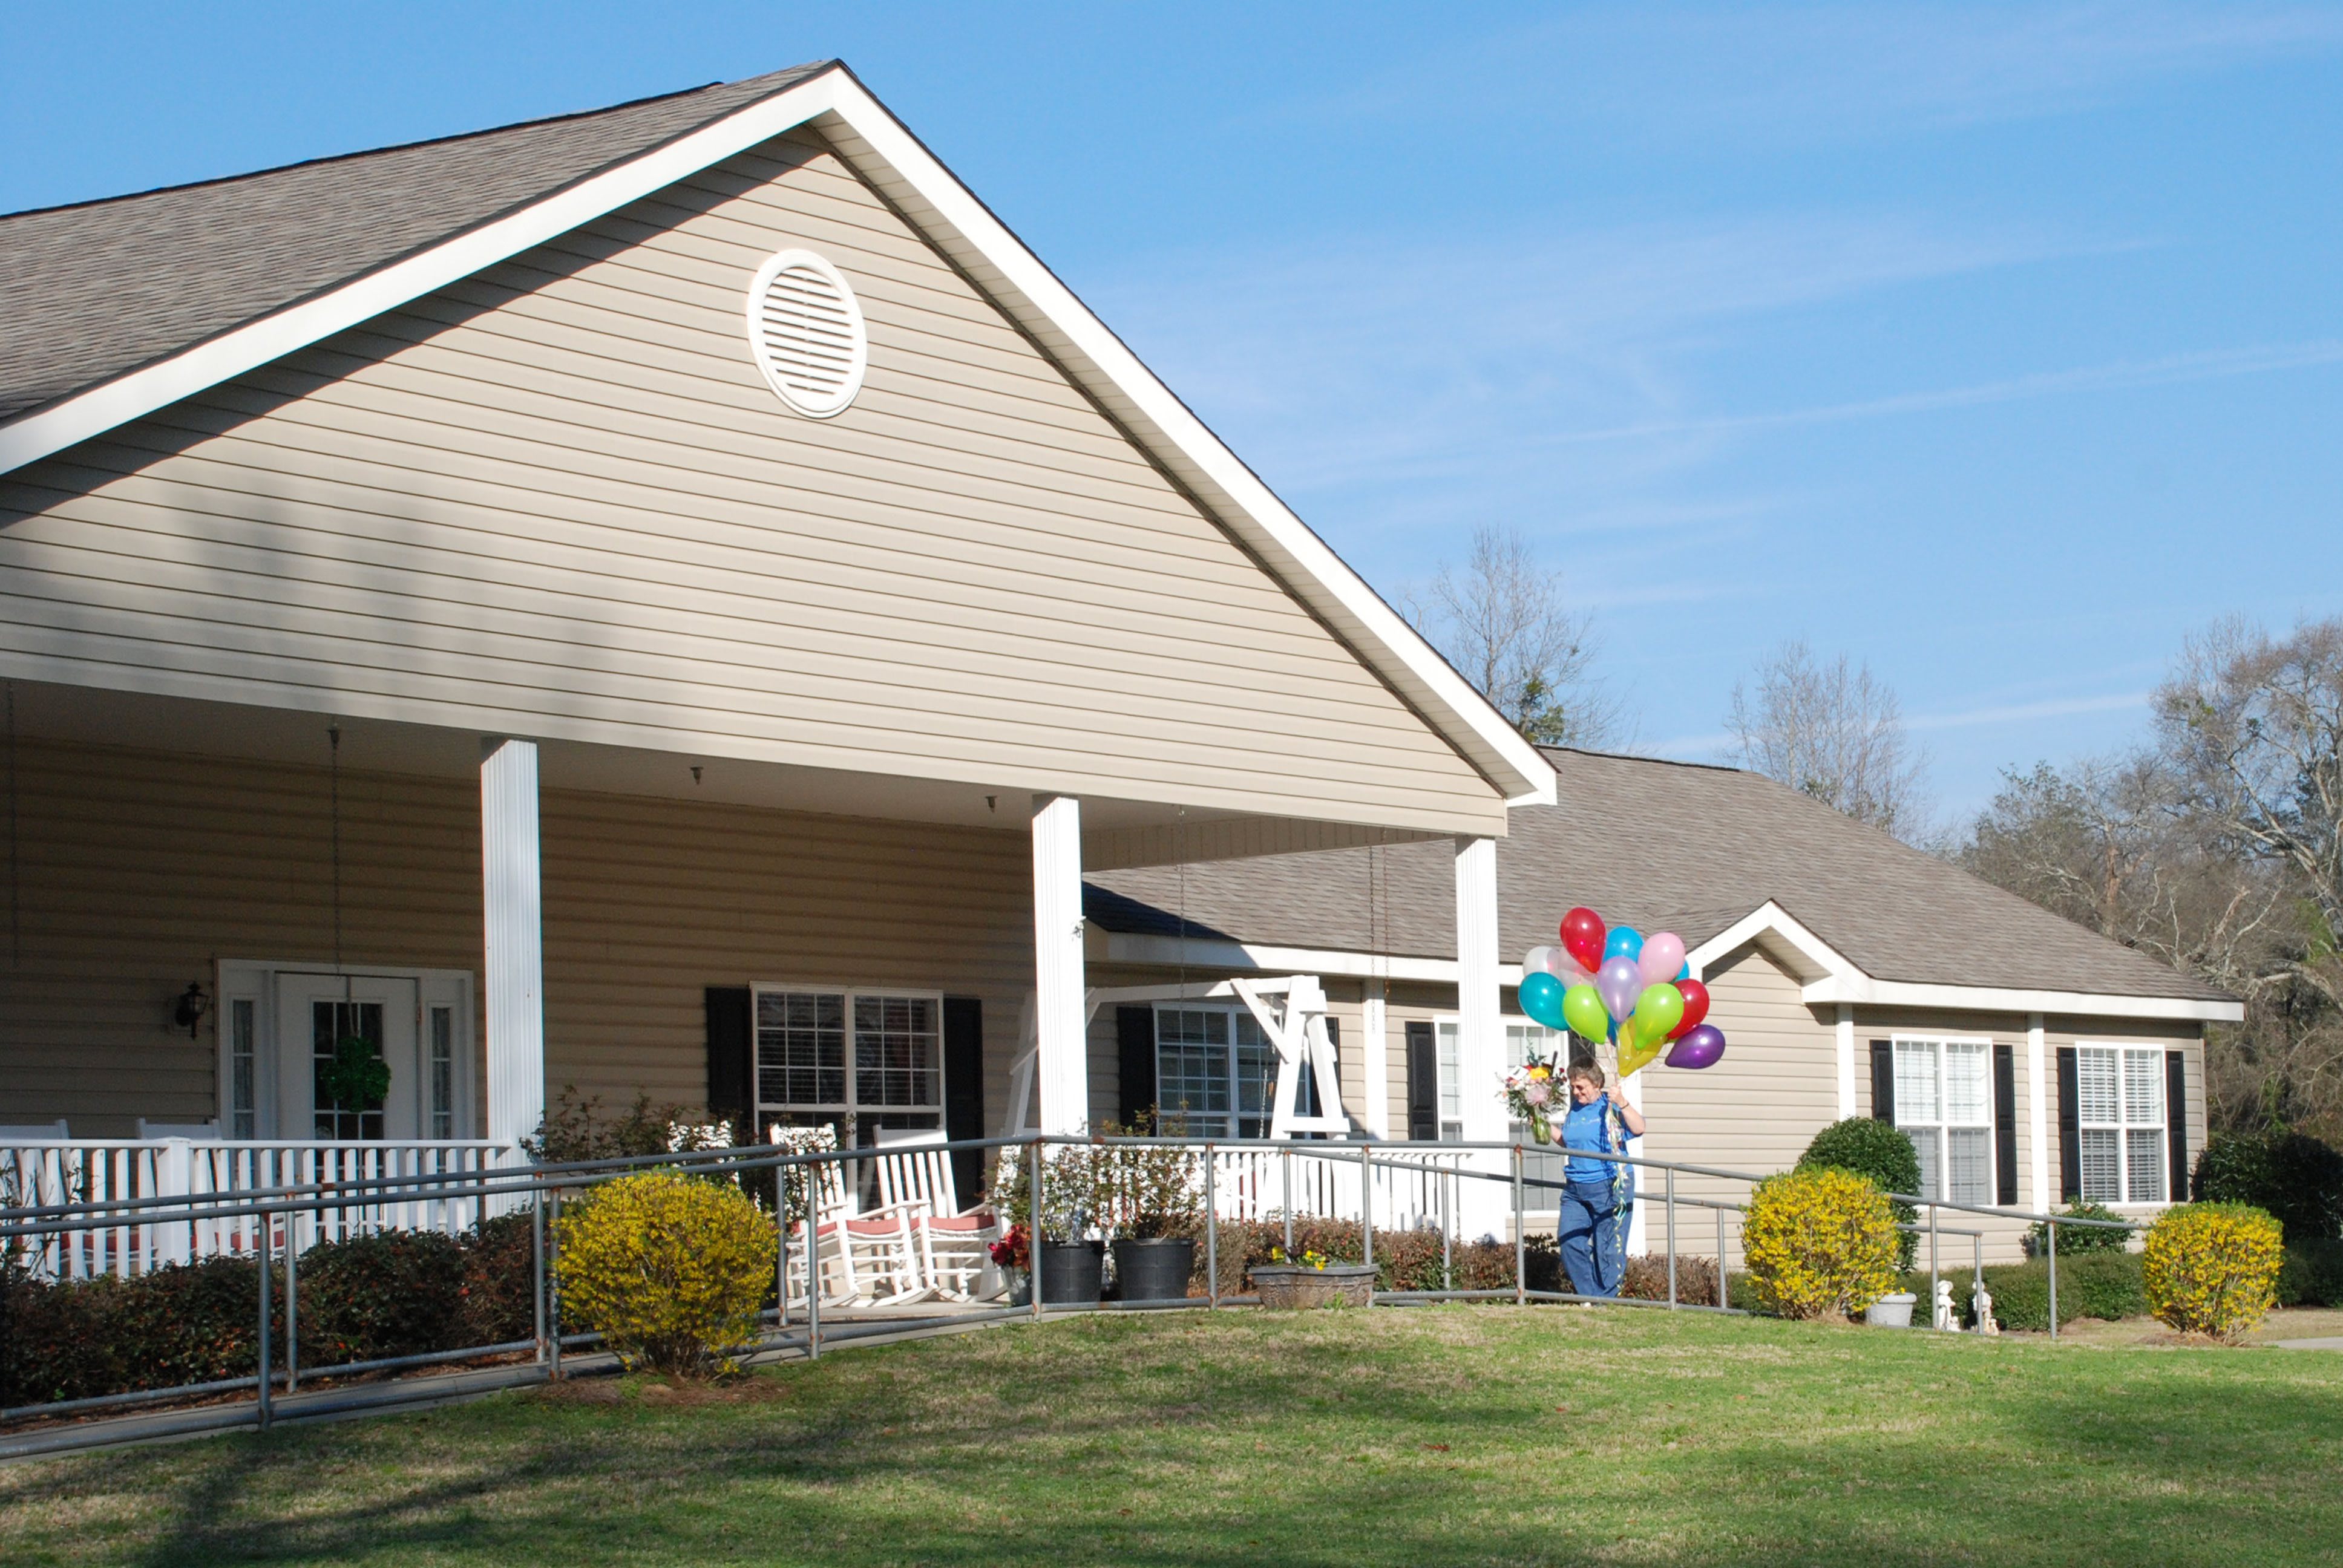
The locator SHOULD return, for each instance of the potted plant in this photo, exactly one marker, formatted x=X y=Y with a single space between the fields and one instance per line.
x=1312 y=1281
x=1072 y=1261
x=1149 y=1200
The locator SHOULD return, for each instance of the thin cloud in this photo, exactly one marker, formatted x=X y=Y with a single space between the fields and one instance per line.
x=2062 y=707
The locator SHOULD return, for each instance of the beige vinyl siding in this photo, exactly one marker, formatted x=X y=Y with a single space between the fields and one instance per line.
x=143 y=868
x=557 y=499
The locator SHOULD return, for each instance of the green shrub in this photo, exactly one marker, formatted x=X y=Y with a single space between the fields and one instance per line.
x=499 y=1291
x=55 y=1342
x=1874 y=1149
x=1404 y=1259
x=2212 y=1267
x=2296 y=1178
x=2074 y=1240
x=1646 y=1279
x=2311 y=1274
x=369 y=1298
x=2095 y=1285
x=1821 y=1242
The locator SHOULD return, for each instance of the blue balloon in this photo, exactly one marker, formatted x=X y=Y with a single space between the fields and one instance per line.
x=1542 y=999
x=1624 y=940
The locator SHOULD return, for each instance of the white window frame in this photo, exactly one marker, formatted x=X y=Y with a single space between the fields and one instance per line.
x=848 y=1113
x=255 y=981
x=1519 y=1029
x=1238 y=1016
x=2124 y=1123
x=1943 y=1126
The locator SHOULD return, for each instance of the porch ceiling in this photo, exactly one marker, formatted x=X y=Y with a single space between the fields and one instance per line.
x=1115 y=831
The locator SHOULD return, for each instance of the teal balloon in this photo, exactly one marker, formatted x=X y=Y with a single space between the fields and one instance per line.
x=1684 y=973
x=1542 y=999
x=1582 y=1011
x=1624 y=940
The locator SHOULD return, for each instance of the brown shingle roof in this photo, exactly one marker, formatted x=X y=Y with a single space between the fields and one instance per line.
x=97 y=289
x=1661 y=846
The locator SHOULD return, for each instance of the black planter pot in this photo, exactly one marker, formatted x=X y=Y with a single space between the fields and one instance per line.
x=1072 y=1272
x=1154 y=1270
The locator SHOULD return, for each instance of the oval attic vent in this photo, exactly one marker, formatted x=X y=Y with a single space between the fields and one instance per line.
x=805 y=330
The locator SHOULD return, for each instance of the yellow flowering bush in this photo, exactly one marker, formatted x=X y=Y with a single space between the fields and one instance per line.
x=1821 y=1242
x=669 y=1271
x=2212 y=1267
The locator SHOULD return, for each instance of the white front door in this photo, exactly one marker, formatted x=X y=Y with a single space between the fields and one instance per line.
x=314 y=1014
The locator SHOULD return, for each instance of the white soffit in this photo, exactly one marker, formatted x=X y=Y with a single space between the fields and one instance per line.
x=932 y=199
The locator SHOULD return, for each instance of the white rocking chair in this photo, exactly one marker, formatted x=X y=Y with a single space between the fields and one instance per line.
x=860 y=1260
x=955 y=1244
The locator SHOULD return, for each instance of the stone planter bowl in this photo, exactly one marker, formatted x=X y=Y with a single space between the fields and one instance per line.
x=1290 y=1287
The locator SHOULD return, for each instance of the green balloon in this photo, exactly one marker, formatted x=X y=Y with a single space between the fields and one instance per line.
x=1583 y=1009
x=1659 y=1010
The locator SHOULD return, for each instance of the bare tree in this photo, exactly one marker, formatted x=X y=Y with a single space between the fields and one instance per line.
x=1504 y=622
x=1833 y=732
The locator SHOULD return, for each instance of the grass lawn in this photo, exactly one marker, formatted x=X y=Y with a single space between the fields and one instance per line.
x=1443 y=1435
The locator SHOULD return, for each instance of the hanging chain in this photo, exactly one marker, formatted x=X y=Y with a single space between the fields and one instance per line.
x=334 y=741
x=15 y=867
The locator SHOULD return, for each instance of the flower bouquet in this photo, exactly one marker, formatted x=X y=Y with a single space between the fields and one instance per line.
x=1535 y=1094
x=1014 y=1251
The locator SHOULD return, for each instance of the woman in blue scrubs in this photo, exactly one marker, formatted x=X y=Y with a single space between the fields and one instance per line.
x=1598 y=1193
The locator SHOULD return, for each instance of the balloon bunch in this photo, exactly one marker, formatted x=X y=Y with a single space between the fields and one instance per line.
x=1622 y=986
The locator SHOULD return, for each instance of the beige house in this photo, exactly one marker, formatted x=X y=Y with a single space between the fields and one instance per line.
x=2029 y=1060
x=672 y=599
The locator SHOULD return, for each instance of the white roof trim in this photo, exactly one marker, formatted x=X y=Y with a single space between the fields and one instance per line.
x=933 y=198
x=1828 y=976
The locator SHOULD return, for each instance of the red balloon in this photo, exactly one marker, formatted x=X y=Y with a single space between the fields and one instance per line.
x=1581 y=937
x=1695 y=997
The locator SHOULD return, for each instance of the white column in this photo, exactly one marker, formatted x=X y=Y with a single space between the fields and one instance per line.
x=2041 y=1196
x=1375 y=1059
x=1845 y=1059
x=515 y=982
x=1061 y=1065
x=1486 y=1207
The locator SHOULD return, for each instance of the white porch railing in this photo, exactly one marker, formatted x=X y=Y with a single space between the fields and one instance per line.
x=1411 y=1187
x=99 y=1170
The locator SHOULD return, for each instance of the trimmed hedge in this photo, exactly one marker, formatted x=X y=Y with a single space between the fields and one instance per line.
x=1404 y=1259
x=366 y=1299
x=2095 y=1285
x=2296 y=1178
x=2311 y=1275
x=2074 y=1240
x=1646 y=1279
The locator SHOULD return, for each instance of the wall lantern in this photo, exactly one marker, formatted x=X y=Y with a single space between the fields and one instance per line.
x=192 y=1006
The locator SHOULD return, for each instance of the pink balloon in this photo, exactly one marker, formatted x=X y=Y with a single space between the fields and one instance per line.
x=1619 y=983
x=1664 y=956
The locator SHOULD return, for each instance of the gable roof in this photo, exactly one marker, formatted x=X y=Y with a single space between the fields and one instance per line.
x=96 y=334
x=1661 y=846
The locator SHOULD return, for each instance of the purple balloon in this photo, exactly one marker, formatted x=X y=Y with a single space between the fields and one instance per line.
x=1619 y=982
x=1699 y=1046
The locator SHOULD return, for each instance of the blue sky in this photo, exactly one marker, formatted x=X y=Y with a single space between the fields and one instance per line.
x=1999 y=346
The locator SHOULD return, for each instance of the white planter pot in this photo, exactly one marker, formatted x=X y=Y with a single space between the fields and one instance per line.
x=1891 y=1311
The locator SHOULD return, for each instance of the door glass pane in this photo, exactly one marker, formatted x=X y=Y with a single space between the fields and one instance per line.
x=443 y=1072
x=243 y=1070
x=331 y=1022
x=1451 y=1102
x=2143 y=1146
x=1915 y=1081
x=1192 y=1071
x=2102 y=1169
x=801 y=1049
x=897 y=1051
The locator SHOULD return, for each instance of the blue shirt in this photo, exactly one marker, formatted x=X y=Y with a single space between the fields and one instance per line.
x=1588 y=1126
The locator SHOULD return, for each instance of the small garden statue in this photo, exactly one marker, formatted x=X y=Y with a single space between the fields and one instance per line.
x=1982 y=1304
x=1945 y=1320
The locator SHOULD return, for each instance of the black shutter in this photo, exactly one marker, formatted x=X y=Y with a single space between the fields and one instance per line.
x=2070 y=1127
x=2175 y=1123
x=965 y=1090
x=1135 y=1028
x=1882 y=1081
x=732 y=1063
x=1422 y=1083
x=2004 y=1123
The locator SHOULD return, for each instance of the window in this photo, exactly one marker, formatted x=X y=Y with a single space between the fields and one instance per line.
x=892 y=1077
x=442 y=1070
x=331 y=1022
x=1524 y=1039
x=2120 y=1114
x=1943 y=1103
x=243 y=1070
x=1216 y=1073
